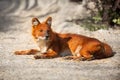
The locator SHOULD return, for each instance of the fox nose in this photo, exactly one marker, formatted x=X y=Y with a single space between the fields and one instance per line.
x=47 y=37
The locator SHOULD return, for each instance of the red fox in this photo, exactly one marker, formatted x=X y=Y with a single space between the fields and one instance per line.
x=52 y=44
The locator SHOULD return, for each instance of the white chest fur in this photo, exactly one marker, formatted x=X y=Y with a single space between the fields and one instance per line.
x=43 y=46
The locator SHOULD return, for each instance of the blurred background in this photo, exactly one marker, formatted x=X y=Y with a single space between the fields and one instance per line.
x=95 y=18
x=90 y=14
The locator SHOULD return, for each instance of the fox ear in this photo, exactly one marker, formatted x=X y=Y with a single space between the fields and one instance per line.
x=35 y=22
x=49 y=21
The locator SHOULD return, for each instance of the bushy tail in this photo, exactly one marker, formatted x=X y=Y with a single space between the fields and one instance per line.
x=107 y=50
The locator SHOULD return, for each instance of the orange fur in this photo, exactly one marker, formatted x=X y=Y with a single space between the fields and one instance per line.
x=53 y=44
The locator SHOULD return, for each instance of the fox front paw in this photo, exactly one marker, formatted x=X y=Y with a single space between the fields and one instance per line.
x=40 y=56
x=18 y=53
x=74 y=58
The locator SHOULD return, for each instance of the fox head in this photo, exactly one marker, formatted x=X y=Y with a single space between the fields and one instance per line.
x=42 y=31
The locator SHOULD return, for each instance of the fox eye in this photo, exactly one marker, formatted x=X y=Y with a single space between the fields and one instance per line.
x=41 y=30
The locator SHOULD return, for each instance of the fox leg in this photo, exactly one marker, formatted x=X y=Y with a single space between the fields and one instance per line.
x=82 y=55
x=74 y=58
x=27 y=52
x=46 y=55
x=77 y=56
x=86 y=55
x=90 y=53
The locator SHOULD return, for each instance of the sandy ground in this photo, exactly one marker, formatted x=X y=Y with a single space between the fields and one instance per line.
x=15 y=26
